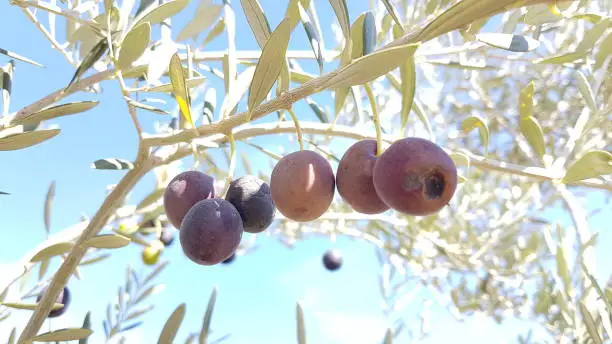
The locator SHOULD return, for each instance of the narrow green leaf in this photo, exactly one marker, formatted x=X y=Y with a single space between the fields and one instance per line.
x=241 y=86
x=270 y=64
x=6 y=84
x=135 y=314
x=27 y=139
x=301 y=330
x=408 y=82
x=417 y=107
x=393 y=13
x=86 y=325
x=12 y=336
x=342 y=15
x=134 y=45
x=586 y=91
x=189 y=83
x=590 y=324
x=55 y=111
x=179 y=88
x=4 y=193
x=592 y=36
x=313 y=36
x=369 y=33
x=215 y=31
x=510 y=42
x=591 y=165
x=605 y=50
x=151 y=198
x=257 y=21
x=203 y=338
x=19 y=57
x=112 y=164
x=158 y=269
x=562 y=269
x=357 y=37
x=48 y=206
x=157 y=14
x=526 y=100
x=146 y=107
x=388 y=337
x=28 y=306
x=52 y=251
x=42 y=270
x=94 y=259
x=532 y=131
x=107 y=241
x=372 y=66
x=92 y=57
x=560 y=59
x=205 y=15
x=172 y=325
x=65 y=334
x=318 y=110
x=474 y=122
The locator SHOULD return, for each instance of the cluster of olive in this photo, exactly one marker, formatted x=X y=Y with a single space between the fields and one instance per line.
x=210 y=227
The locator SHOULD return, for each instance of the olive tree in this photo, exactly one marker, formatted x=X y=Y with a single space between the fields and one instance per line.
x=518 y=93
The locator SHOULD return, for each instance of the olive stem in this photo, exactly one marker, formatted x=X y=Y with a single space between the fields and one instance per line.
x=298 y=129
x=375 y=118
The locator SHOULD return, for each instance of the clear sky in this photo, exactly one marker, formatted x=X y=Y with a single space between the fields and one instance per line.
x=257 y=294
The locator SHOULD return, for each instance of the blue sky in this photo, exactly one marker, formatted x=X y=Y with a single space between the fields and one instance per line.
x=257 y=294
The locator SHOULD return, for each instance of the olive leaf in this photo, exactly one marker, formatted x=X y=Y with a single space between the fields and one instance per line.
x=25 y=139
x=590 y=324
x=146 y=107
x=242 y=85
x=29 y=306
x=6 y=83
x=318 y=110
x=20 y=58
x=369 y=33
x=257 y=21
x=4 y=193
x=48 y=205
x=313 y=36
x=172 y=325
x=205 y=15
x=65 y=334
x=605 y=50
x=474 y=122
x=342 y=15
x=270 y=64
x=112 y=164
x=55 y=111
x=393 y=13
x=179 y=87
x=151 y=198
x=107 y=241
x=510 y=42
x=89 y=60
x=372 y=66
x=388 y=337
x=94 y=259
x=210 y=102
x=189 y=83
x=358 y=36
x=86 y=325
x=158 y=14
x=526 y=100
x=215 y=31
x=52 y=251
x=134 y=45
x=586 y=91
x=532 y=131
x=203 y=338
x=408 y=82
x=301 y=330
x=591 y=165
